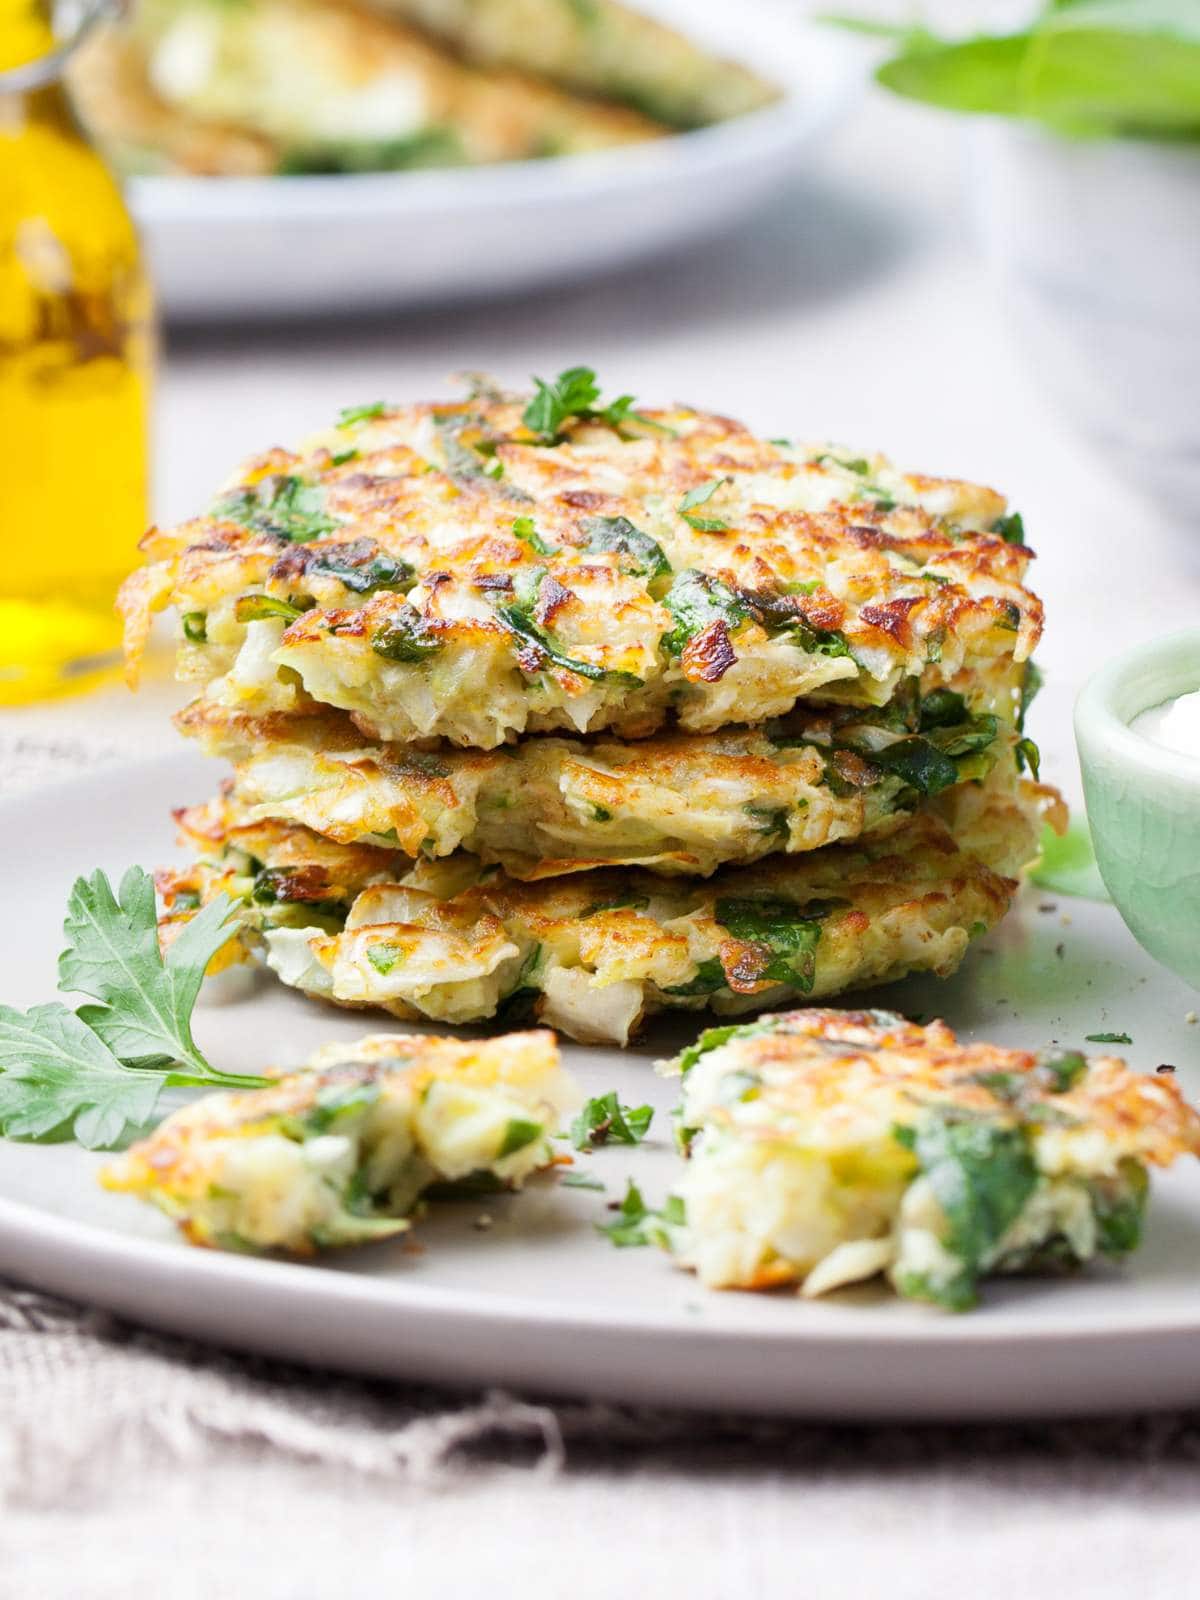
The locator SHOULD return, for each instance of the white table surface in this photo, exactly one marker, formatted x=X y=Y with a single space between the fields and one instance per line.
x=855 y=309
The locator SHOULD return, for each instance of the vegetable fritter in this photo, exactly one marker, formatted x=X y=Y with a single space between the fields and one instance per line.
x=594 y=954
x=829 y=1146
x=479 y=570
x=598 y=47
x=292 y=86
x=340 y=1152
x=683 y=803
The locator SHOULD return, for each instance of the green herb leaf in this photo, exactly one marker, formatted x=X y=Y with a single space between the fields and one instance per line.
x=284 y=507
x=619 y=534
x=1028 y=755
x=604 y=1120
x=405 y=636
x=97 y=1073
x=637 y=1224
x=1101 y=67
x=700 y=496
x=710 y=976
x=917 y=763
x=696 y=600
x=360 y=566
x=384 y=957
x=517 y=620
x=525 y=530
x=1108 y=1038
x=580 y=1180
x=572 y=394
x=518 y=1004
x=263 y=607
x=1063 y=1067
x=1119 y=1205
x=144 y=999
x=58 y=1078
x=941 y=708
x=1031 y=687
x=714 y=1038
x=350 y=415
x=1068 y=864
x=981 y=1174
x=790 y=934
x=519 y=1133
x=1011 y=528
x=431 y=146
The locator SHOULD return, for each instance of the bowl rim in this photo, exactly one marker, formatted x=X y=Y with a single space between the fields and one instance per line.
x=1100 y=714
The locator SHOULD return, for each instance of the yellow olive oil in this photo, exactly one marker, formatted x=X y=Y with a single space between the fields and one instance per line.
x=76 y=352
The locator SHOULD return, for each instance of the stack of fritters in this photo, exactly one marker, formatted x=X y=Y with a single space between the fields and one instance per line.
x=547 y=707
x=257 y=87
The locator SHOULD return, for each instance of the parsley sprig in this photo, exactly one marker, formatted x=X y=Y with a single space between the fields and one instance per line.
x=96 y=1074
x=604 y=1120
x=573 y=395
x=639 y=1224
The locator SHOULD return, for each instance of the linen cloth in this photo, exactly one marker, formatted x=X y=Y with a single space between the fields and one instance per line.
x=133 y=1464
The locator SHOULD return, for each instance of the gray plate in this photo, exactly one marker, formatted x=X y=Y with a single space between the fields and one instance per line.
x=538 y=1299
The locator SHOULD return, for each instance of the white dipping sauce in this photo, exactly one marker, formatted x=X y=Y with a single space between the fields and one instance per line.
x=1175 y=725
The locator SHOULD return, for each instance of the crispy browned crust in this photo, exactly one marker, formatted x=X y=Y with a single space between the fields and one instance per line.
x=809 y=1060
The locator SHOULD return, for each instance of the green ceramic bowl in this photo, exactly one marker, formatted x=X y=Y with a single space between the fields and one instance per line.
x=1143 y=802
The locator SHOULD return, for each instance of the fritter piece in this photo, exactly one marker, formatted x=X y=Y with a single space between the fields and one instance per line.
x=547 y=806
x=447 y=572
x=594 y=954
x=264 y=86
x=829 y=1146
x=597 y=47
x=340 y=1152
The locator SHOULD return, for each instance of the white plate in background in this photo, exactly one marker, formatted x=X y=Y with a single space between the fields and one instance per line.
x=539 y=1300
x=233 y=248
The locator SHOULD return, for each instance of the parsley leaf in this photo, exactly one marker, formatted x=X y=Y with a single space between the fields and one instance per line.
x=696 y=599
x=605 y=1120
x=981 y=1174
x=710 y=976
x=573 y=393
x=1108 y=1038
x=1011 y=528
x=283 y=506
x=918 y=763
x=637 y=1224
x=1031 y=686
x=788 y=933
x=97 y=1073
x=143 y=999
x=1028 y=755
x=525 y=529
x=260 y=607
x=349 y=415
x=580 y=1180
x=619 y=534
x=58 y=1077
x=699 y=496
x=517 y=620
x=360 y=566
x=405 y=636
